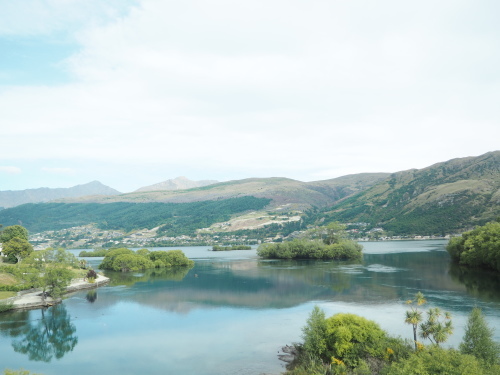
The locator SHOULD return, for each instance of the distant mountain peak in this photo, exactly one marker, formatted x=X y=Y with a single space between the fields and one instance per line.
x=12 y=198
x=178 y=183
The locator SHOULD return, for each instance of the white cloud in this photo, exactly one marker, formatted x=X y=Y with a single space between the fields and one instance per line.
x=10 y=169
x=269 y=87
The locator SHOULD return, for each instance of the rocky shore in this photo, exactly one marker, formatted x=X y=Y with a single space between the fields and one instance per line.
x=33 y=299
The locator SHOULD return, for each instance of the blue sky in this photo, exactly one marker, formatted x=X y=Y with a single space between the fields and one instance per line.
x=132 y=93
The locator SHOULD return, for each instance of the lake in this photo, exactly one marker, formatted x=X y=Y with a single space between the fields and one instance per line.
x=232 y=312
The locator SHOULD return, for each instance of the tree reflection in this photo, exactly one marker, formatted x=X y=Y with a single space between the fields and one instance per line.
x=51 y=336
x=131 y=278
x=91 y=295
x=479 y=283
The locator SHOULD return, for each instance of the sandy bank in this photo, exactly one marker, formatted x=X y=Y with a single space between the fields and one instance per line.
x=33 y=299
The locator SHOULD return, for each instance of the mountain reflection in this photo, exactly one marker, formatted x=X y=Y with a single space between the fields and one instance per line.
x=53 y=335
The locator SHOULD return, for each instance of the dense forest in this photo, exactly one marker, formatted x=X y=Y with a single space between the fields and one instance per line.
x=173 y=218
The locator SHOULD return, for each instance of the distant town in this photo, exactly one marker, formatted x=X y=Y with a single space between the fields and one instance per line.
x=89 y=236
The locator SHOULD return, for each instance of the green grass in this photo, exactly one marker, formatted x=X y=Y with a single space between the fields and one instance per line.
x=4 y=295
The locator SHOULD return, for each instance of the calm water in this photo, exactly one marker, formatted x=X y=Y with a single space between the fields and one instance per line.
x=232 y=312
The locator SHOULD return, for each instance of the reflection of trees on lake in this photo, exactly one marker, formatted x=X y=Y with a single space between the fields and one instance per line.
x=15 y=323
x=478 y=283
x=91 y=295
x=51 y=336
x=130 y=278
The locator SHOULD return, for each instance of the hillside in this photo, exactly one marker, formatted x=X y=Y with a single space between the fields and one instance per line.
x=173 y=219
x=281 y=191
x=179 y=183
x=445 y=197
x=12 y=198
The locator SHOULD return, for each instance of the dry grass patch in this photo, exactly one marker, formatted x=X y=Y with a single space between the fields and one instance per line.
x=6 y=279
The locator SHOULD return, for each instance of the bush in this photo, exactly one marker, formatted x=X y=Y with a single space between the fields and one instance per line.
x=91 y=276
x=437 y=361
x=479 y=248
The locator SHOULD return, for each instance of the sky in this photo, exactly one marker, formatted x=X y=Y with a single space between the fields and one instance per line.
x=132 y=93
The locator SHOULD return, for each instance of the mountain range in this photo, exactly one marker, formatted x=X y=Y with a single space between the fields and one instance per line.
x=445 y=197
x=12 y=198
x=179 y=183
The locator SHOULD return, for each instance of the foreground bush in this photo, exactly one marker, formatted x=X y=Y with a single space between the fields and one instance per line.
x=304 y=249
x=349 y=344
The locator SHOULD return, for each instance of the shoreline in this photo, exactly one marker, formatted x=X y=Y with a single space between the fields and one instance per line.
x=33 y=299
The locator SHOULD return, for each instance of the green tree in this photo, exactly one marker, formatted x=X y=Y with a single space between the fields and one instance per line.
x=16 y=249
x=436 y=361
x=438 y=326
x=479 y=248
x=414 y=315
x=13 y=231
x=314 y=333
x=55 y=280
x=334 y=233
x=478 y=339
x=351 y=338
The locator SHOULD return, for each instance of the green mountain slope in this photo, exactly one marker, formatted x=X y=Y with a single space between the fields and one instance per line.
x=174 y=219
x=442 y=198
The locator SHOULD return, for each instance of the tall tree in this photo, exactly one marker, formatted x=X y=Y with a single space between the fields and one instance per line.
x=414 y=315
x=478 y=339
x=438 y=326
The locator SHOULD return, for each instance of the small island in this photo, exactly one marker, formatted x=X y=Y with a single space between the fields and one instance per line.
x=329 y=242
x=124 y=260
x=478 y=248
x=231 y=248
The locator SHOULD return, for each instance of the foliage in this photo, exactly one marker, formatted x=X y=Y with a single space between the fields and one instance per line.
x=124 y=259
x=107 y=262
x=174 y=219
x=91 y=275
x=350 y=338
x=230 y=248
x=436 y=361
x=478 y=339
x=303 y=249
x=40 y=259
x=56 y=279
x=314 y=334
x=16 y=249
x=18 y=372
x=5 y=306
x=438 y=326
x=12 y=232
x=479 y=248
x=93 y=253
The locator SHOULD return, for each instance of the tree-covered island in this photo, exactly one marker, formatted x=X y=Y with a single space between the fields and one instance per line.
x=329 y=242
x=478 y=248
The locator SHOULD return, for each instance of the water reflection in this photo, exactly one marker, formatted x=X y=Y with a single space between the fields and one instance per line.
x=479 y=283
x=91 y=295
x=53 y=335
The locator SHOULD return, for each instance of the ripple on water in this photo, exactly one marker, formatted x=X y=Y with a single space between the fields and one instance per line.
x=382 y=268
